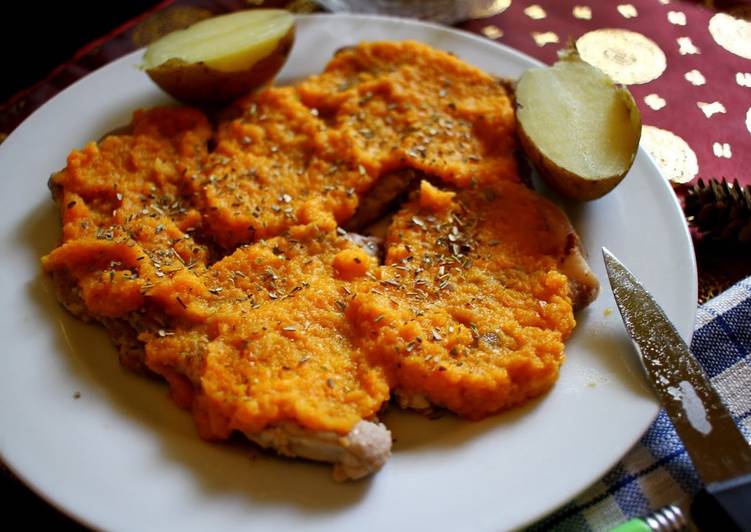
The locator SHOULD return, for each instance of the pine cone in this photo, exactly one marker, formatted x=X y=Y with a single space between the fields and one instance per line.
x=720 y=210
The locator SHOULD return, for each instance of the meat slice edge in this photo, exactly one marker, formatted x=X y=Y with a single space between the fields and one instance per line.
x=583 y=283
x=360 y=453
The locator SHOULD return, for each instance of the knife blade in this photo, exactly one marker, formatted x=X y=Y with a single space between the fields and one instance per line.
x=717 y=448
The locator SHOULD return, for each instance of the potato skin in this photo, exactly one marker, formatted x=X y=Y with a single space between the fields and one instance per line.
x=198 y=84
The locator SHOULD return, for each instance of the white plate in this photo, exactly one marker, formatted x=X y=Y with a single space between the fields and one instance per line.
x=123 y=456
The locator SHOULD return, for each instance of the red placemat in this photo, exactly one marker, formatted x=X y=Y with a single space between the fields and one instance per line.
x=688 y=67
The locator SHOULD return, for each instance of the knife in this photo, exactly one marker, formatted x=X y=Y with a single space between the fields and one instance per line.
x=718 y=450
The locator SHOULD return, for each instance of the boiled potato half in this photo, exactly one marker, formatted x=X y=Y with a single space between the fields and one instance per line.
x=577 y=126
x=219 y=59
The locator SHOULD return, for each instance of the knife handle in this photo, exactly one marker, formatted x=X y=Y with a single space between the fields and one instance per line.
x=724 y=505
x=666 y=519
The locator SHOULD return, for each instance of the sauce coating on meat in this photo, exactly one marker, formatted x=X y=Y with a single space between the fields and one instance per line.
x=296 y=153
x=227 y=271
x=267 y=340
x=470 y=310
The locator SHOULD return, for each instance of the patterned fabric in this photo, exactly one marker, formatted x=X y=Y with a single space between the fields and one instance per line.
x=658 y=471
x=688 y=67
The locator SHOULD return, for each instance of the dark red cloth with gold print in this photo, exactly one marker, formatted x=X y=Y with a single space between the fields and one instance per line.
x=688 y=67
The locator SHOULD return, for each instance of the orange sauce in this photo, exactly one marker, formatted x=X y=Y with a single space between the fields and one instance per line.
x=227 y=266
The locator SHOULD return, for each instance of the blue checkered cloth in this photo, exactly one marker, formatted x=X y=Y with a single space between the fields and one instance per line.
x=658 y=471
